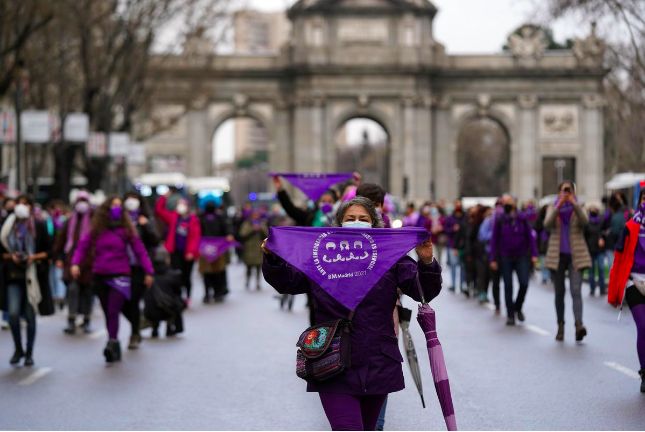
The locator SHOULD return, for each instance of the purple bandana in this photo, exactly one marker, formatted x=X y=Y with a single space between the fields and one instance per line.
x=211 y=248
x=314 y=185
x=345 y=262
x=122 y=284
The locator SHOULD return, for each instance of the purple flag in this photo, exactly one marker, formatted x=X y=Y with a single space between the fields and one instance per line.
x=345 y=262
x=122 y=284
x=314 y=184
x=211 y=248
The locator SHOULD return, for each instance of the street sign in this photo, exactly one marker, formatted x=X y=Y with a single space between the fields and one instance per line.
x=119 y=143
x=77 y=127
x=7 y=126
x=137 y=154
x=96 y=145
x=35 y=127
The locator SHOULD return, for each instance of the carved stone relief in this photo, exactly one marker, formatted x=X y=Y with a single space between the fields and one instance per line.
x=559 y=122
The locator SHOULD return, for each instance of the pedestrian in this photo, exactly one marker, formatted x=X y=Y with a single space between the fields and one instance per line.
x=627 y=277
x=473 y=249
x=595 y=239
x=567 y=253
x=252 y=232
x=543 y=243
x=111 y=243
x=182 y=239
x=615 y=220
x=484 y=236
x=140 y=216
x=353 y=399
x=454 y=227
x=513 y=244
x=26 y=248
x=80 y=297
x=214 y=223
x=411 y=216
x=56 y=218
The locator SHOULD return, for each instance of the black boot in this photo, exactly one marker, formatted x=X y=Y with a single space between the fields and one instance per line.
x=71 y=326
x=17 y=355
x=581 y=331
x=560 y=335
x=112 y=351
x=135 y=341
x=86 y=326
x=29 y=358
x=642 y=374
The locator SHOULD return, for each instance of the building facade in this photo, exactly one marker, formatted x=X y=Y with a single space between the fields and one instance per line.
x=378 y=59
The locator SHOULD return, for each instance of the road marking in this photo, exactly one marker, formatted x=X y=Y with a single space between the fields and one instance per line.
x=489 y=306
x=35 y=376
x=98 y=334
x=537 y=330
x=623 y=369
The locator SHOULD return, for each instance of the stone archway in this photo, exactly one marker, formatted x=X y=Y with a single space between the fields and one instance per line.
x=483 y=157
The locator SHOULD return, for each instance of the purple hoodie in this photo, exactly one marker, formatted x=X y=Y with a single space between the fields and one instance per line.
x=111 y=252
x=512 y=237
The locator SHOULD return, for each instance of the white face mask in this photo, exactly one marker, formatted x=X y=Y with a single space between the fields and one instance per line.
x=357 y=224
x=82 y=207
x=182 y=209
x=132 y=204
x=21 y=211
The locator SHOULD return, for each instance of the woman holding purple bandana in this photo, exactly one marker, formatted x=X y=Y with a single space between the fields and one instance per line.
x=111 y=240
x=353 y=399
x=567 y=252
x=629 y=271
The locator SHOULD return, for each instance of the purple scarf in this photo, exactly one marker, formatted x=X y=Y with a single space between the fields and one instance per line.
x=314 y=185
x=345 y=262
x=71 y=229
x=211 y=248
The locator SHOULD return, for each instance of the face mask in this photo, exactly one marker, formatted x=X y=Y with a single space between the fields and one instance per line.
x=82 y=207
x=116 y=213
x=182 y=209
x=434 y=212
x=508 y=208
x=357 y=224
x=326 y=208
x=132 y=204
x=21 y=211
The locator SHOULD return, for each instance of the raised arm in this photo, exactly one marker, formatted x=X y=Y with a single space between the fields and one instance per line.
x=162 y=212
x=285 y=278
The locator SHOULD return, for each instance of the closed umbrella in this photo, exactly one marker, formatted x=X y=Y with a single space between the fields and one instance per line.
x=404 y=319
x=427 y=320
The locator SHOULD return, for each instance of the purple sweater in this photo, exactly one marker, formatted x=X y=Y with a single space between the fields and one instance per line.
x=111 y=252
x=512 y=237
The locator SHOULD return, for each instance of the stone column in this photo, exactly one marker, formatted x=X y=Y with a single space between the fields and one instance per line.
x=422 y=155
x=280 y=147
x=524 y=151
x=200 y=152
x=308 y=137
x=445 y=152
x=590 y=165
x=404 y=165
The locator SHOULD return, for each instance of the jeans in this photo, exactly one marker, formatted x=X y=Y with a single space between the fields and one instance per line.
x=18 y=307
x=575 y=286
x=597 y=264
x=455 y=263
x=56 y=283
x=179 y=262
x=380 y=423
x=544 y=271
x=352 y=413
x=522 y=267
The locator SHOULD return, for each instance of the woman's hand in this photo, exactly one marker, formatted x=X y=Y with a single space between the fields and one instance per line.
x=277 y=183
x=264 y=247
x=425 y=252
x=75 y=271
x=148 y=281
x=143 y=221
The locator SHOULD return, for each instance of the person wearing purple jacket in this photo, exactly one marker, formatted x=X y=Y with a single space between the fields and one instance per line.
x=353 y=400
x=111 y=240
x=514 y=245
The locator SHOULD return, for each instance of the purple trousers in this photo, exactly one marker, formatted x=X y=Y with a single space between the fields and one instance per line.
x=636 y=302
x=112 y=302
x=352 y=413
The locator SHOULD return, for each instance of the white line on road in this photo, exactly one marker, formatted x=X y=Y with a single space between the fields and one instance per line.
x=623 y=369
x=98 y=334
x=537 y=330
x=35 y=376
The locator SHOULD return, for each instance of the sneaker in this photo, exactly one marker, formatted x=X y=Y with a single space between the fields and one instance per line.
x=112 y=351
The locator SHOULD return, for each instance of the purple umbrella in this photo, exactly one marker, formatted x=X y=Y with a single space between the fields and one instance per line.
x=427 y=320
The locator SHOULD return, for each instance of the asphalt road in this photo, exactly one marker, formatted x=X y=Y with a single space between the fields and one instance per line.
x=234 y=368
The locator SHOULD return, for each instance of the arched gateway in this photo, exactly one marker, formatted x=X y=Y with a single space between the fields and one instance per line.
x=378 y=59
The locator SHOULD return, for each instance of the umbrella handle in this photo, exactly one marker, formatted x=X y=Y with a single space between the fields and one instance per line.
x=423 y=299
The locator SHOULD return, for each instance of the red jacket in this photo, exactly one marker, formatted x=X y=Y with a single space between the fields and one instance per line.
x=170 y=218
x=623 y=263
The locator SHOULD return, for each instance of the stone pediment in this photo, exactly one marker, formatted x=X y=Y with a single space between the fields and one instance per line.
x=362 y=6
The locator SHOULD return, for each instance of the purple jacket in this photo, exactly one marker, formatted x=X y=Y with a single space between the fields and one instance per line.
x=111 y=252
x=376 y=360
x=512 y=237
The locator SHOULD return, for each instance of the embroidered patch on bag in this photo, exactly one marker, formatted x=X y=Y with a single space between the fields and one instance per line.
x=316 y=338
